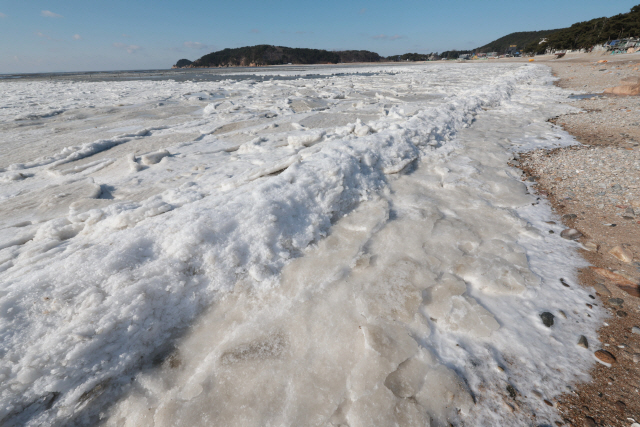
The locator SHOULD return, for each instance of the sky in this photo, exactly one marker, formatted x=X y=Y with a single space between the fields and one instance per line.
x=93 y=35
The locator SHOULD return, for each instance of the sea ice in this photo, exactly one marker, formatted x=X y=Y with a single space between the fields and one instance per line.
x=347 y=249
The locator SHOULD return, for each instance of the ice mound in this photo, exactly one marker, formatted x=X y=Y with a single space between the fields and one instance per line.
x=255 y=262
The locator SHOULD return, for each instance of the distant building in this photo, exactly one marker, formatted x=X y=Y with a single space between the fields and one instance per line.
x=464 y=56
x=492 y=55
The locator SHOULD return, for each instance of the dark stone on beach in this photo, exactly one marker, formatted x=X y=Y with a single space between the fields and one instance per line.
x=569 y=216
x=583 y=342
x=621 y=313
x=564 y=283
x=547 y=319
x=590 y=422
x=512 y=391
x=616 y=302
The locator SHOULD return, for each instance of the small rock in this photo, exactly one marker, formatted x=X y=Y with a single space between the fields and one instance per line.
x=621 y=313
x=562 y=313
x=620 y=405
x=635 y=330
x=583 y=342
x=570 y=234
x=569 y=216
x=590 y=422
x=636 y=357
x=512 y=391
x=589 y=305
x=623 y=254
x=592 y=246
x=634 y=291
x=548 y=403
x=605 y=356
x=547 y=319
x=564 y=283
x=602 y=290
x=614 y=277
x=616 y=302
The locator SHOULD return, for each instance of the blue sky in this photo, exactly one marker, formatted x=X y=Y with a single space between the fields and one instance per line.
x=88 y=35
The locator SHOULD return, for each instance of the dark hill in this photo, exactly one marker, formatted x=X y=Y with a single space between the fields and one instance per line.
x=277 y=55
x=182 y=63
x=596 y=31
x=520 y=39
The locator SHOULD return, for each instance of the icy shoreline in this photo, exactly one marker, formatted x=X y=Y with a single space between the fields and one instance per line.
x=109 y=255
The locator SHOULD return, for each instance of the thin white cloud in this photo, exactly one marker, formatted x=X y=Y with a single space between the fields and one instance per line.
x=197 y=45
x=49 y=14
x=2 y=15
x=130 y=48
x=386 y=37
x=77 y=37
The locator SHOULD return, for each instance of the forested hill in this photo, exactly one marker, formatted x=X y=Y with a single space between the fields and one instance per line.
x=593 y=32
x=520 y=39
x=276 y=55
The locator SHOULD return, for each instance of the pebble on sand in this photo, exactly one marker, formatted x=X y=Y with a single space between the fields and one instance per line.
x=614 y=277
x=623 y=254
x=570 y=234
x=592 y=246
x=605 y=356
x=602 y=290
x=589 y=422
x=616 y=301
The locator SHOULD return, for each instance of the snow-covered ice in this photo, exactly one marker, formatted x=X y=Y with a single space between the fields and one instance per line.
x=347 y=249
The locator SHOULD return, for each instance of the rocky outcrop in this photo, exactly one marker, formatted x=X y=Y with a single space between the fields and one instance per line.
x=631 y=86
x=183 y=63
x=261 y=55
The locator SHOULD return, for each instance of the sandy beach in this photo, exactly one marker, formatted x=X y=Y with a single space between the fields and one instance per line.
x=593 y=187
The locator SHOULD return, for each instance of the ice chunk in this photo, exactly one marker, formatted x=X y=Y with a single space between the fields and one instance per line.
x=304 y=139
x=153 y=158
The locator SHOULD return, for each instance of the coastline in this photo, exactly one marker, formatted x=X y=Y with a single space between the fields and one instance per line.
x=593 y=187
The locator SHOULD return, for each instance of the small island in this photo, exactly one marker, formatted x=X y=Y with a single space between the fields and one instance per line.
x=262 y=55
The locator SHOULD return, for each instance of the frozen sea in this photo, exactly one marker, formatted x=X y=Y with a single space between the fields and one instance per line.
x=291 y=246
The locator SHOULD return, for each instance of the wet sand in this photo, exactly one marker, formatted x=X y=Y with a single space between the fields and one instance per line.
x=594 y=187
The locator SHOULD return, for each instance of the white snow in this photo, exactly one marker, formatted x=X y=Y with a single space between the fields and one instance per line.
x=348 y=249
